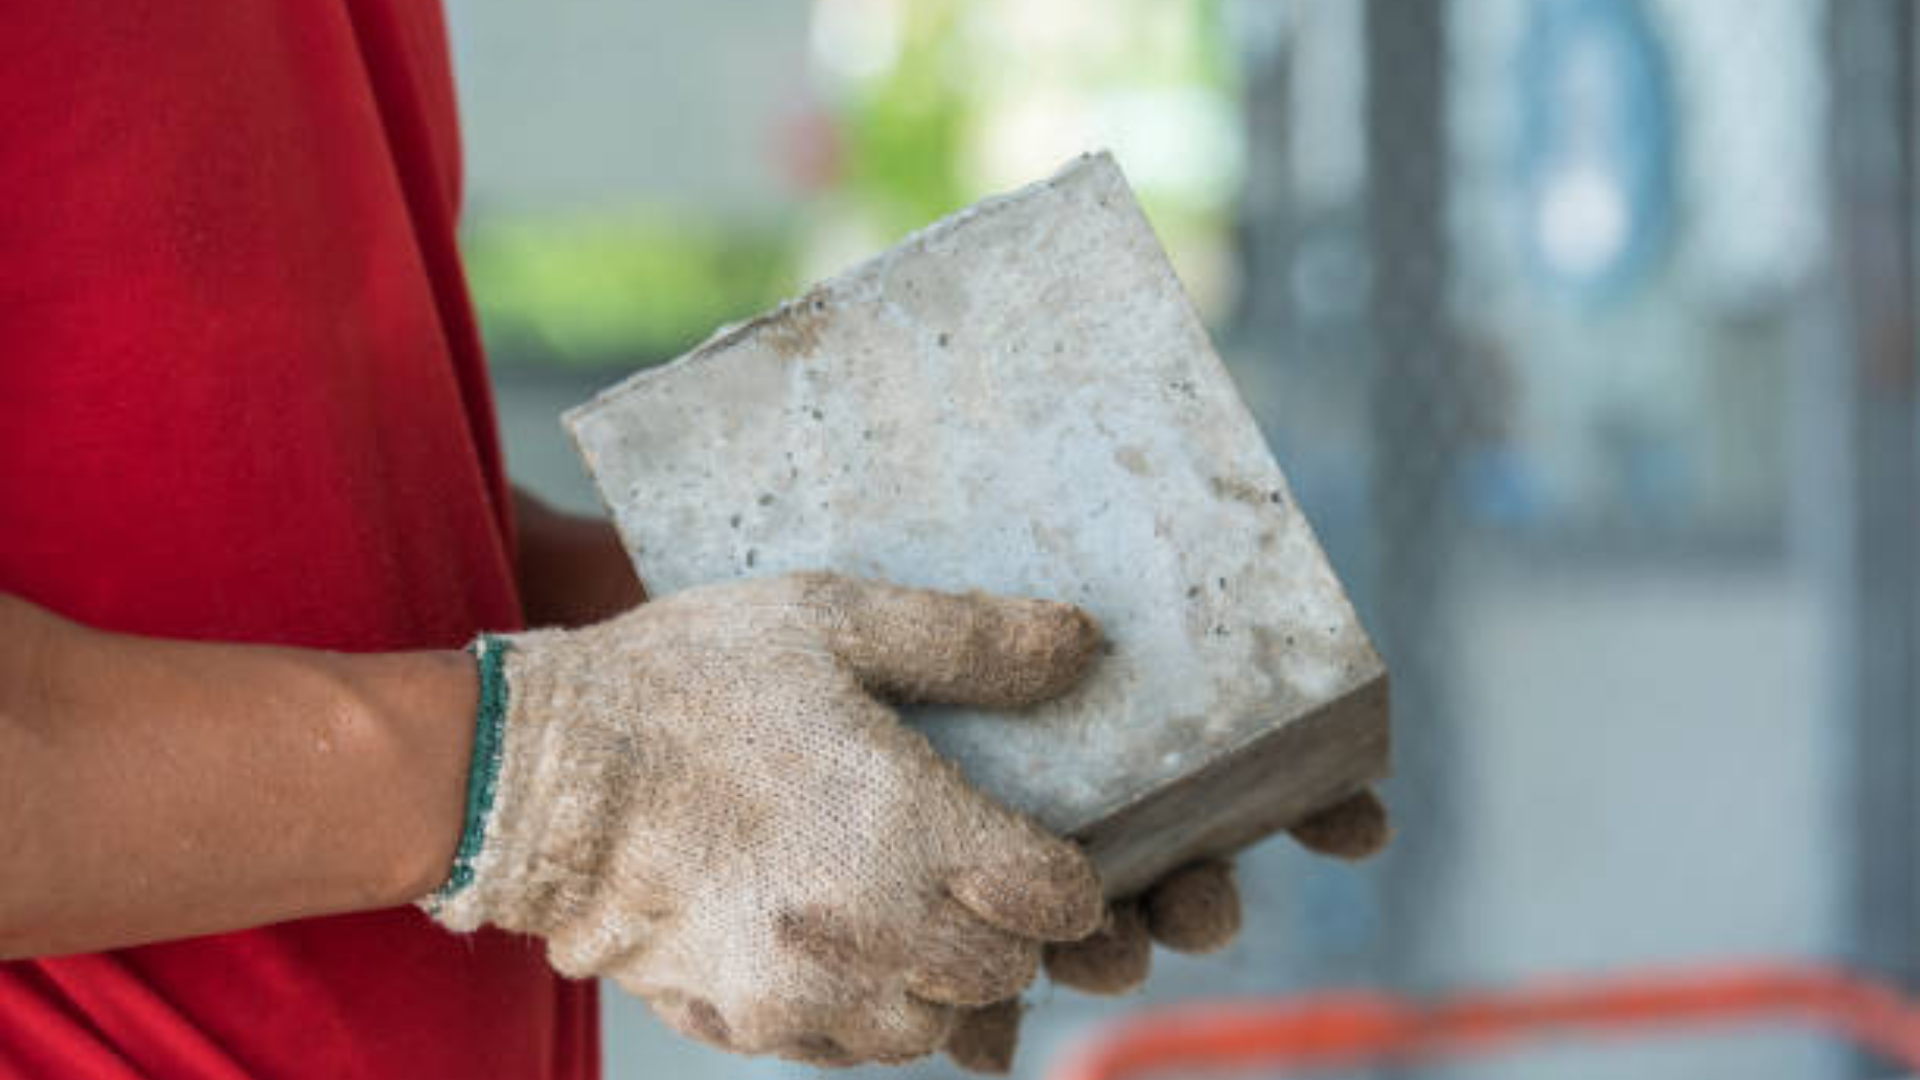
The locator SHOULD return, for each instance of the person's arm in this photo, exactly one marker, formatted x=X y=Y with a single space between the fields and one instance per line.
x=156 y=789
x=571 y=570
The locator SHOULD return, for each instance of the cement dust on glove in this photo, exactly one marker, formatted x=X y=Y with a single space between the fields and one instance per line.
x=706 y=800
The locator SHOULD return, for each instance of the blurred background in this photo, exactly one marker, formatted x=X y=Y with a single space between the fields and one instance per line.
x=1581 y=327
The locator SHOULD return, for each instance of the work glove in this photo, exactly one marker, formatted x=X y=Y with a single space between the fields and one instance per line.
x=1195 y=909
x=705 y=800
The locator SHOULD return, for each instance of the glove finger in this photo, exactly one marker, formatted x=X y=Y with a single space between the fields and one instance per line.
x=1353 y=828
x=1195 y=909
x=694 y=1017
x=1112 y=960
x=960 y=649
x=894 y=1030
x=983 y=1040
x=817 y=1049
x=962 y=961
x=1026 y=881
x=818 y=1024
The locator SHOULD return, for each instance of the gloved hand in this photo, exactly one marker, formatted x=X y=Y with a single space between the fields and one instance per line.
x=703 y=800
x=1195 y=909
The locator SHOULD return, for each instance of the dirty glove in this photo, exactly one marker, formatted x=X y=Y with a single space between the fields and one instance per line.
x=703 y=800
x=1195 y=909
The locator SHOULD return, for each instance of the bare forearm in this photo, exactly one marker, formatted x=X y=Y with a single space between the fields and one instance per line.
x=156 y=789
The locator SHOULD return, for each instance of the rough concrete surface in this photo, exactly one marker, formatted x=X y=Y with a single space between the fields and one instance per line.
x=1020 y=398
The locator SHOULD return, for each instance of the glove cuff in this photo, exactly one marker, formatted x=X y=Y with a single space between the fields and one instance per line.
x=483 y=774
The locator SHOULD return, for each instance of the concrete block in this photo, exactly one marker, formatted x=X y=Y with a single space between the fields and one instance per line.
x=1021 y=398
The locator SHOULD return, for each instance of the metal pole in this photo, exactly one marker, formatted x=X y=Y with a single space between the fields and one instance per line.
x=1872 y=50
x=1414 y=416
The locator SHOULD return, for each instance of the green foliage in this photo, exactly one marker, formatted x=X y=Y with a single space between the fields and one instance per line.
x=902 y=134
x=619 y=288
x=627 y=286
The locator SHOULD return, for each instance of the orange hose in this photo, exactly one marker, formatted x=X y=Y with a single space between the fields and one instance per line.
x=1351 y=1028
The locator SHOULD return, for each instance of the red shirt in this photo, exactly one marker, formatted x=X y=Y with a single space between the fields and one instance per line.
x=242 y=399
